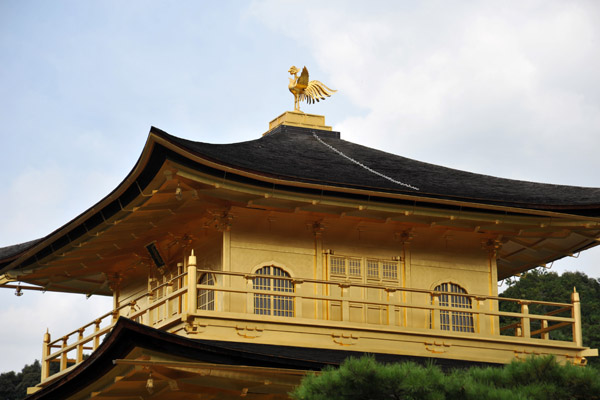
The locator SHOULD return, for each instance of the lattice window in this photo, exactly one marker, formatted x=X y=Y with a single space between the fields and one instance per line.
x=454 y=320
x=354 y=267
x=206 y=297
x=273 y=304
x=338 y=265
x=389 y=269
x=373 y=269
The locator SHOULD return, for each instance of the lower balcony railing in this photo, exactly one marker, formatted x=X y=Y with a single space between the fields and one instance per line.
x=337 y=302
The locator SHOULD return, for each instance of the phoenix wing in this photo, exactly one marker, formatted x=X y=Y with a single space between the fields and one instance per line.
x=315 y=91
x=302 y=82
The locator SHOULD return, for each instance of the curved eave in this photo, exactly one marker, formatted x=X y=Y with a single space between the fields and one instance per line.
x=161 y=146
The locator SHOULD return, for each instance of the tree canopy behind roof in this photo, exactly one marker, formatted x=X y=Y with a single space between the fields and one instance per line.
x=541 y=284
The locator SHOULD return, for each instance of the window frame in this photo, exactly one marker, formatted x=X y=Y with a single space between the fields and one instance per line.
x=273 y=304
x=340 y=267
x=206 y=299
x=453 y=321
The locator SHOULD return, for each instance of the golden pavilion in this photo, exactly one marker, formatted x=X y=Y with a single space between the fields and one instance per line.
x=236 y=268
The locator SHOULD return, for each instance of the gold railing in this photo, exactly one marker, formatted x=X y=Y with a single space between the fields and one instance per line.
x=484 y=308
x=89 y=336
x=310 y=296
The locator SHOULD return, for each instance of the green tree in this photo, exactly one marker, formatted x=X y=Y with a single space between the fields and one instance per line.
x=538 y=378
x=13 y=386
x=363 y=378
x=543 y=285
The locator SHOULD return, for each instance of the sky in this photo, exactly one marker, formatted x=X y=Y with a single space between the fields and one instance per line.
x=509 y=89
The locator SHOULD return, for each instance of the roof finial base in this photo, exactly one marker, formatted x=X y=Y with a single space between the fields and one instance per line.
x=300 y=119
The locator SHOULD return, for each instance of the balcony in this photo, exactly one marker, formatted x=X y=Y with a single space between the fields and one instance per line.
x=275 y=309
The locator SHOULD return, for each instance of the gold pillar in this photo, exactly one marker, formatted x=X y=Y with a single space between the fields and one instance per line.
x=192 y=294
x=576 y=314
x=319 y=272
x=45 y=353
x=525 y=320
x=116 y=304
x=226 y=265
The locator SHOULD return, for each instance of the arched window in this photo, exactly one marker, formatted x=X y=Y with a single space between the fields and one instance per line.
x=273 y=304
x=457 y=321
x=206 y=297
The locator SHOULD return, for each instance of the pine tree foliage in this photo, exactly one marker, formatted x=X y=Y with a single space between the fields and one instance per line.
x=538 y=378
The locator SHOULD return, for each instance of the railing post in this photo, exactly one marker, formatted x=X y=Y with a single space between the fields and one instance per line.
x=345 y=303
x=80 y=346
x=63 y=354
x=168 y=301
x=249 y=294
x=545 y=335
x=391 y=308
x=298 y=299
x=525 y=319
x=435 y=314
x=576 y=315
x=96 y=337
x=482 y=322
x=192 y=294
x=116 y=304
x=180 y=304
x=149 y=309
x=45 y=353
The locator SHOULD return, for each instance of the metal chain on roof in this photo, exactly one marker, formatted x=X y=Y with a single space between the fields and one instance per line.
x=362 y=165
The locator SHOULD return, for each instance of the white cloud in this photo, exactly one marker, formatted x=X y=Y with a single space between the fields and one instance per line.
x=503 y=89
x=26 y=318
x=40 y=200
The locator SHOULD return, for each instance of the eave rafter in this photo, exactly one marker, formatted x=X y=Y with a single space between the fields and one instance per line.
x=162 y=379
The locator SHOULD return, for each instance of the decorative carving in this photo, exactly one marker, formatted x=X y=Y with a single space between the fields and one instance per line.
x=492 y=246
x=113 y=280
x=523 y=354
x=437 y=347
x=318 y=227
x=221 y=220
x=184 y=241
x=345 y=339
x=576 y=360
x=249 y=332
x=405 y=236
x=192 y=328
x=303 y=90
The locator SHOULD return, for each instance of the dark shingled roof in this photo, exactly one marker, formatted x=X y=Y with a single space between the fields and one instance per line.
x=10 y=251
x=295 y=154
x=16 y=248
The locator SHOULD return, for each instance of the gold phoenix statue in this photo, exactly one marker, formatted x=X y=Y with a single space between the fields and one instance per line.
x=302 y=89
